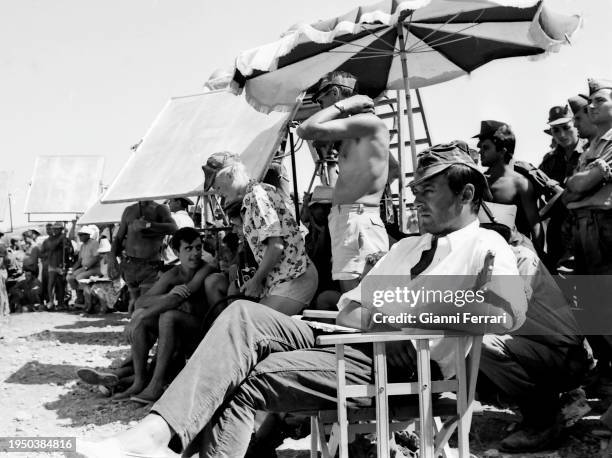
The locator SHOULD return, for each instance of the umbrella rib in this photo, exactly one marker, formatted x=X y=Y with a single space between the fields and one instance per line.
x=422 y=40
x=384 y=41
x=366 y=46
x=439 y=43
x=441 y=39
x=369 y=54
x=431 y=33
x=371 y=57
x=349 y=43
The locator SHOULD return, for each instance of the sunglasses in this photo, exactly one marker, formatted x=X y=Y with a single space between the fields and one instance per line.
x=325 y=90
x=322 y=93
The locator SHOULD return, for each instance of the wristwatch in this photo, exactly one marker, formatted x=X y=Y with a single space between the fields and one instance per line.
x=340 y=109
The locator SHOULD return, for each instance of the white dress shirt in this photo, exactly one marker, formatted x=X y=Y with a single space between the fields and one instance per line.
x=458 y=255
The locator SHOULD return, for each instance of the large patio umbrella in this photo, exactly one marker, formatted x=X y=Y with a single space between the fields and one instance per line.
x=399 y=45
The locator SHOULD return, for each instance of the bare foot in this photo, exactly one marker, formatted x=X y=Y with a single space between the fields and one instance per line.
x=149 y=438
x=151 y=393
x=131 y=391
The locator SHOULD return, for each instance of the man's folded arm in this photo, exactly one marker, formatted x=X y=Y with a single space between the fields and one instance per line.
x=158 y=299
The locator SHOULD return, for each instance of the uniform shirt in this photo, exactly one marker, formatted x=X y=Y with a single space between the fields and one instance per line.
x=599 y=150
x=557 y=167
x=549 y=318
x=266 y=215
x=599 y=155
x=460 y=253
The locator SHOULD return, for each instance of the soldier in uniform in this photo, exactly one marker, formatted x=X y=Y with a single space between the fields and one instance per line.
x=559 y=164
x=589 y=199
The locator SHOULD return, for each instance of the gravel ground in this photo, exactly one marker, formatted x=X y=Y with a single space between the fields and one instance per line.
x=41 y=396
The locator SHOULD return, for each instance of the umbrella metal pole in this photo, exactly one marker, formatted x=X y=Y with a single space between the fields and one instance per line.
x=11 y=211
x=204 y=210
x=404 y=61
x=294 y=175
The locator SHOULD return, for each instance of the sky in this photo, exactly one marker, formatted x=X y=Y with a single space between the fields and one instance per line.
x=79 y=77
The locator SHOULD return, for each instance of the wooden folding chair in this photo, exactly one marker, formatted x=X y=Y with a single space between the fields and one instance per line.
x=433 y=436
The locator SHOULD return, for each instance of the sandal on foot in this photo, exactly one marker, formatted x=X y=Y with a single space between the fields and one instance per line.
x=94 y=377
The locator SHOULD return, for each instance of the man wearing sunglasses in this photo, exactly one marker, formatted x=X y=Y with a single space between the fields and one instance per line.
x=355 y=225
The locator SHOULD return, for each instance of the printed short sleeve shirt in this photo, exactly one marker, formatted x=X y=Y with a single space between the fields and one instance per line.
x=266 y=215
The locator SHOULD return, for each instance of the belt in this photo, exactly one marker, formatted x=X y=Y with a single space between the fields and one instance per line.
x=359 y=208
x=133 y=260
x=580 y=213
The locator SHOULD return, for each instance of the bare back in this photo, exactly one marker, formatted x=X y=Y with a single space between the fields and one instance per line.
x=507 y=189
x=144 y=244
x=363 y=165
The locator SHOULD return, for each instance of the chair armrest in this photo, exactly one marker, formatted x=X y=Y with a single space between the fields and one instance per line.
x=392 y=336
x=327 y=314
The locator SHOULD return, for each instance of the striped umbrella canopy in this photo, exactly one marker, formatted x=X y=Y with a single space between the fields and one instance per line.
x=399 y=45
x=438 y=40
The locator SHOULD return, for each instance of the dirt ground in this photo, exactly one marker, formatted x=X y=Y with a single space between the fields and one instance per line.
x=41 y=396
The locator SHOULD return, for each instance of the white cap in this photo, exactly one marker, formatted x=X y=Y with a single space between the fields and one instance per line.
x=87 y=230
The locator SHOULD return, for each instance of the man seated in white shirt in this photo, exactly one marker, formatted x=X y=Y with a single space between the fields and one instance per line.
x=255 y=358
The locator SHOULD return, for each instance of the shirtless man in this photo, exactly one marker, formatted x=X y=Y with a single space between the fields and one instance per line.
x=355 y=226
x=496 y=143
x=143 y=226
x=172 y=311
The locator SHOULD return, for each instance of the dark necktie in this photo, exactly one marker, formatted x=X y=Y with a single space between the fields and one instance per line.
x=426 y=259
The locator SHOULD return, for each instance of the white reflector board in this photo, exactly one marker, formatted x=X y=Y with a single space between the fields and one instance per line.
x=64 y=184
x=187 y=131
x=100 y=213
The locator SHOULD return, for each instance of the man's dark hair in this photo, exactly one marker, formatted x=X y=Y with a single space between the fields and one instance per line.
x=234 y=210
x=504 y=138
x=185 y=234
x=232 y=241
x=459 y=175
x=182 y=202
x=275 y=174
